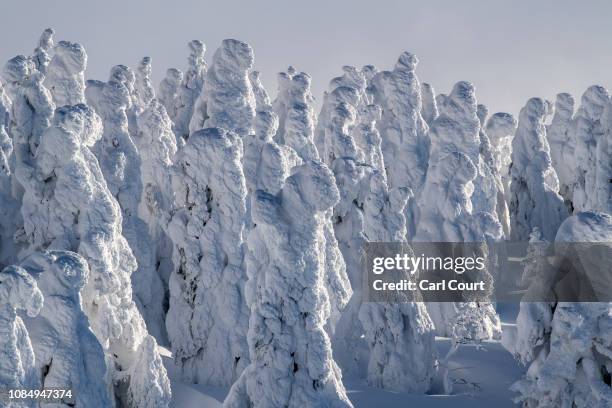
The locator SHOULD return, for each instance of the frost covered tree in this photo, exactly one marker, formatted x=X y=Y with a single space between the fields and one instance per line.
x=403 y=130
x=367 y=137
x=18 y=291
x=291 y=357
x=42 y=53
x=68 y=355
x=588 y=130
x=602 y=196
x=144 y=87
x=168 y=92
x=157 y=149
x=562 y=144
x=65 y=74
x=31 y=112
x=190 y=89
x=568 y=344
x=67 y=206
x=121 y=164
x=228 y=95
x=10 y=218
x=404 y=323
x=297 y=129
x=429 y=110
x=500 y=129
x=534 y=201
x=208 y=316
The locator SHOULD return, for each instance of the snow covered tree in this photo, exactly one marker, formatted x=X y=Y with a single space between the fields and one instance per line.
x=230 y=102
x=42 y=53
x=168 y=92
x=65 y=74
x=18 y=291
x=534 y=201
x=144 y=87
x=157 y=149
x=563 y=145
x=450 y=219
x=291 y=357
x=367 y=137
x=568 y=344
x=208 y=317
x=429 y=110
x=602 y=196
x=121 y=165
x=10 y=218
x=31 y=112
x=297 y=131
x=500 y=129
x=404 y=323
x=189 y=90
x=68 y=355
x=67 y=206
x=588 y=130
x=403 y=130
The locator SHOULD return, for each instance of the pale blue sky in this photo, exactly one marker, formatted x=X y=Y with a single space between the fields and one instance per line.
x=510 y=50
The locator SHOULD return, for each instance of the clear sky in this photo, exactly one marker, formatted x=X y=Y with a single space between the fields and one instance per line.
x=510 y=50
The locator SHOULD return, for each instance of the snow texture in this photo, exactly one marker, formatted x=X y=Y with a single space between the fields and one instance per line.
x=208 y=317
x=291 y=356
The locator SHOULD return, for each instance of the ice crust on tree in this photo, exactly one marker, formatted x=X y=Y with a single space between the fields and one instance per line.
x=534 y=201
x=18 y=291
x=208 y=317
x=291 y=357
x=67 y=206
x=68 y=354
x=168 y=93
x=567 y=345
x=562 y=144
